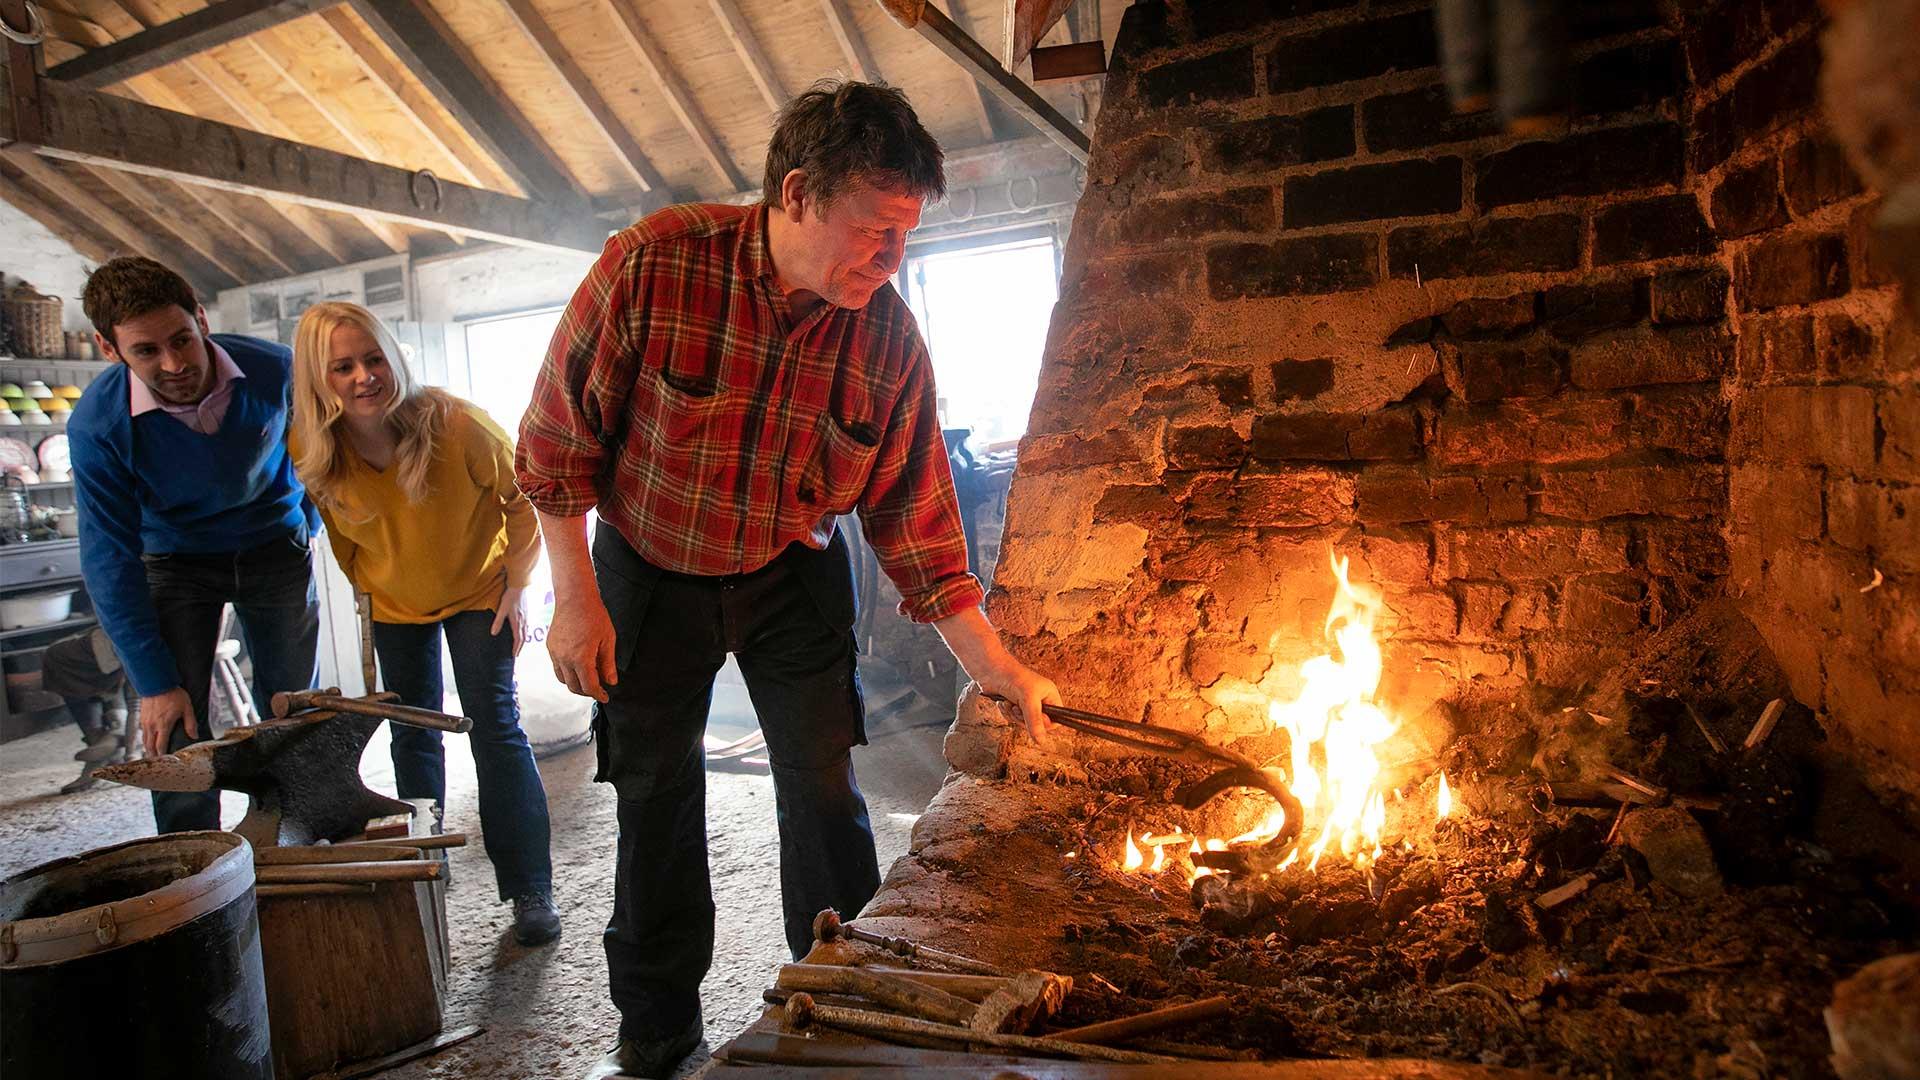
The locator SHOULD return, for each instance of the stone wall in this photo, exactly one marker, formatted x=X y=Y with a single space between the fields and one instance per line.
x=1307 y=309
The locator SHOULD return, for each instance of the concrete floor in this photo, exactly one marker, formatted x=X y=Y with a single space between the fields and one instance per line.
x=545 y=1010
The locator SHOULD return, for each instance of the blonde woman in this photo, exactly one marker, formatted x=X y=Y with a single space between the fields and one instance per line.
x=416 y=489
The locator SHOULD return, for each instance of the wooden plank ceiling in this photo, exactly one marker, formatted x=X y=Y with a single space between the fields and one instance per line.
x=621 y=105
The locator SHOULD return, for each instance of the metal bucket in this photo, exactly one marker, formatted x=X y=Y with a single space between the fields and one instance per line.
x=140 y=959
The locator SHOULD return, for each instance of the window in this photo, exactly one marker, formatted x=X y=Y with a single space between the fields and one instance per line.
x=983 y=308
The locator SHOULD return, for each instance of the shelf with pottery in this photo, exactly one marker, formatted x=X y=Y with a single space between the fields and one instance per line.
x=95 y=367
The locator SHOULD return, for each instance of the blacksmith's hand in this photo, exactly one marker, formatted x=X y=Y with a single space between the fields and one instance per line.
x=158 y=715
x=512 y=612
x=580 y=644
x=1009 y=678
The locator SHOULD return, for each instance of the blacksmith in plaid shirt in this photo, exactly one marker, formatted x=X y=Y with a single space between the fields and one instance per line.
x=726 y=382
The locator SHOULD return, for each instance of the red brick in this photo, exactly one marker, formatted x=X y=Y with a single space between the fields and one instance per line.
x=1391 y=434
x=1877 y=517
x=1532 y=552
x=1372 y=192
x=1049 y=453
x=1481 y=371
x=1232 y=387
x=1690 y=296
x=1401 y=558
x=1298 y=380
x=1485 y=246
x=1594 y=163
x=1690 y=420
x=1814 y=173
x=1848 y=348
x=1641 y=357
x=1574 y=311
x=1814 y=425
x=1517 y=432
x=1870 y=263
x=1226 y=76
x=1205 y=447
x=1273 y=142
x=1389 y=496
x=1211 y=656
x=1184 y=217
x=1798 y=269
x=1138 y=503
x=1748 y=201
x=1304 y=266
x=1421 y=118
x=1387 y=435
x=1774 y=506
x=1530 y=609
x=1292 y=499
x=1669 y=490
x=1686 y=550
x=1481 y=608
x=1898 y=410
x=1352 y=51
x=1767 y=95
x=1426 y=613
x=1489 y=317
x=1776 y=349
x=1602 y=604
x=1656 y=228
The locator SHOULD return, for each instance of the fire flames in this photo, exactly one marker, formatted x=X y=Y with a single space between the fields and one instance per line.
x=1335 y=727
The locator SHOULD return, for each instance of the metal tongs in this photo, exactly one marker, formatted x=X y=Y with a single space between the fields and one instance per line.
x=1240 y=772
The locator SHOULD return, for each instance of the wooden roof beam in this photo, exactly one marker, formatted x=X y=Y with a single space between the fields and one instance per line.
x=472 y=164
x=61 y=222
x=235 y=96
x=104 y=129
x=733 y=23
x=167 y=221
x=427 y=47
x=276 y=62
x=176 y=39
x=85 y=206
x=853 y=44
x=930 y=23
x=626 y=148
x=679 y=99
x=978 y=100
x=1027 y=22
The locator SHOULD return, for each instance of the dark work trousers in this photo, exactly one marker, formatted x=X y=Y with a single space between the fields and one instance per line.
x=790 y=626
x=271 y=590
x=513 y=804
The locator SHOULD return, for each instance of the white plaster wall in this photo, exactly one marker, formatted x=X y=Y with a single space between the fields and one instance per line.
x=28 y=251
x=494 y=280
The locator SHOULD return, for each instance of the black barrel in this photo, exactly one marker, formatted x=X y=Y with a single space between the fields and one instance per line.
x=140 y=959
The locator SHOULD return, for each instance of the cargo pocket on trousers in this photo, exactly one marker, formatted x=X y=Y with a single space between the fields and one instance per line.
x=626 y=594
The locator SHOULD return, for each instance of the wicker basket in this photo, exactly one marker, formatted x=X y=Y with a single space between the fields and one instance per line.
x=35 y=320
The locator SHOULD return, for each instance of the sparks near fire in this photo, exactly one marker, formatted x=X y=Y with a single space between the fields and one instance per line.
x=1335 y=728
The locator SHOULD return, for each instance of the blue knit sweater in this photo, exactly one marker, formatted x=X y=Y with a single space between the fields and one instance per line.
x=152 y=485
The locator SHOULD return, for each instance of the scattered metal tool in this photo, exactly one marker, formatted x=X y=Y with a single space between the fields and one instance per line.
x=289 y=702
x=801 y=1013
x=828 y=927
x=1240 y=771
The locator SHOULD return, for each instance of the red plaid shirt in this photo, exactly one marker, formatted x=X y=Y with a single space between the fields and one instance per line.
x=681 y=398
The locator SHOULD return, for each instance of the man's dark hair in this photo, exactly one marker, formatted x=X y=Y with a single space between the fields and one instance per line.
x=129 y=287
x=840 y=132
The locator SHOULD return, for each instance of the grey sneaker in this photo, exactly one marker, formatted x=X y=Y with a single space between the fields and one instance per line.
x=535 y=922
x=101 y=746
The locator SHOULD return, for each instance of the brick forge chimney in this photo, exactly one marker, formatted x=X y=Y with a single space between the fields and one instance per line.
x=1549 y=394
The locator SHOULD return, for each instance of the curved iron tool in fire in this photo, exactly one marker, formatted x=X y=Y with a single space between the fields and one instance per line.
x=1240 y=771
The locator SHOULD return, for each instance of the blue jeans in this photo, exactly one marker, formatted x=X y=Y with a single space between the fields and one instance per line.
x=271 y=590
x=513 y=804
x=790 y=625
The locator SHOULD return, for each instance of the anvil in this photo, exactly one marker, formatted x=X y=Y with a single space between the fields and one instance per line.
x=302 y=775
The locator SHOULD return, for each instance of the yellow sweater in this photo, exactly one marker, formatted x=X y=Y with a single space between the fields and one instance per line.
x=458 y=547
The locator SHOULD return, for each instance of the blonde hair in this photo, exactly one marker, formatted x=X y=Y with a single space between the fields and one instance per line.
x=417 y=413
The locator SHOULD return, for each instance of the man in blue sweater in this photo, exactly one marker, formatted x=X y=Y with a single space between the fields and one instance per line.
x=188 y=502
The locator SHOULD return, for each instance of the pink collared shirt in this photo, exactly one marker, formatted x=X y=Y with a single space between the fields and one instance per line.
x=203 y=416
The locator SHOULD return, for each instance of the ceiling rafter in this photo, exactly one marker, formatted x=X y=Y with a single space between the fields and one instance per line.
x=279 y=63
x=61 y=222
x=679 y=100
x=89 y=207
x=167 y=222
x=733 y=23
x=472 y=164
x=626 y=148
x=977 y=100
x=429 y=48
x=853 y=44
x=177 y=39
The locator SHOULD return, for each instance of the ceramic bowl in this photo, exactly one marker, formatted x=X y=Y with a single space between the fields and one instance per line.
x=11 y=390
x=23 y=404
x=68 y=391
x=36 y=418
x=56 y=405
x=7 y=419
x=38 y=389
